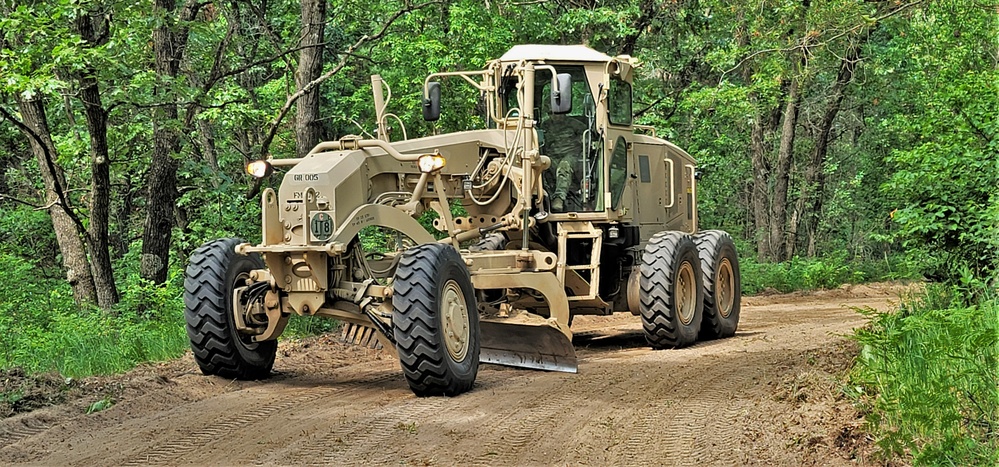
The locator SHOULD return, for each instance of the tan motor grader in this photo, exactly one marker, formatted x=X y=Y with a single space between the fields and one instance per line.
x=505 y=281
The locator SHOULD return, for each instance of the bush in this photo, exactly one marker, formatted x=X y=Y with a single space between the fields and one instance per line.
x=820 y=273
x=928 y=377
x=44 y=330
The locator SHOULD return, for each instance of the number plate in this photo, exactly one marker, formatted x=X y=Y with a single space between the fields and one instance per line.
x=322 y=226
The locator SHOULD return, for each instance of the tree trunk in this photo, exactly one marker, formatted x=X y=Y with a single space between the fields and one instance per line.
x=761 y=178
x=782 y=177
x=814 y=174
x=123 y=214
x=100 y=170
x=74 y=257
x=208 y=149
x=308 y=132
x=764 y=123
x=169 y=42
x=649 y=9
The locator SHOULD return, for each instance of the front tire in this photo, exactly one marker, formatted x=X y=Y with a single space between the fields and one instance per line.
x=214 y=271
x=671 y=296
x=435 y=321
x=722 y=284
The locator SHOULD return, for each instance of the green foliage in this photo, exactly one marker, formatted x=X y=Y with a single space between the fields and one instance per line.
x=28 y=233
x=826 y=272
x=928 y=375
x=46 y=331
x=942 y=128
x=304 y=326
x=823 y=272
x=100 y=405
x=215 y=212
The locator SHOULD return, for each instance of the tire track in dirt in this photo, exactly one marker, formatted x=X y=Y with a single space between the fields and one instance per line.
x=628 y=405
x=683 y=426
x=232 y=425
x=170 y=452
x=517 y=432
x=369 y=430
x=23 y=428
x=512 y=441
x=379 y=427
x=39 y=427
x=368 y=436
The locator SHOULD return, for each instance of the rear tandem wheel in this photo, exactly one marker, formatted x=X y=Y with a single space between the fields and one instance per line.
x=722 y=284
x=671 y=295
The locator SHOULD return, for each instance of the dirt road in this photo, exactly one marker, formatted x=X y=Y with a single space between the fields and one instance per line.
x=767 y=396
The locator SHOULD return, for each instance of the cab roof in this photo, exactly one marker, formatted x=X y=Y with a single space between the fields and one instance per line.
x=567 y=53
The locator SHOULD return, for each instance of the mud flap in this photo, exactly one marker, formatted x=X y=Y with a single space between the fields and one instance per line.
x=535 y=346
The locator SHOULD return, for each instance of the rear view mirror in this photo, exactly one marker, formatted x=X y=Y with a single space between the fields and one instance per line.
x=432 y=102
x=562 y=100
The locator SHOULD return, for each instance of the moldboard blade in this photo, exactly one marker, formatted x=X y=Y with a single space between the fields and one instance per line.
x=535 y=346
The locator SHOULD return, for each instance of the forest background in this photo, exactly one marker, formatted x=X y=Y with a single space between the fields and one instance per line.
x=839 y=141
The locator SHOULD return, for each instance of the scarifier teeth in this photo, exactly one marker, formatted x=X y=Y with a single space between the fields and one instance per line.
x=360 y=335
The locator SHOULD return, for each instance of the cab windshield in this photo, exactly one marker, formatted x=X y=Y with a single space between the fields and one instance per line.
x=574 y=182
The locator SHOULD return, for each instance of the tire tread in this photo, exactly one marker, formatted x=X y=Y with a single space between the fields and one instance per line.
x=421 y=352
x=660 y=260
x=207 y=320
x=710 y=244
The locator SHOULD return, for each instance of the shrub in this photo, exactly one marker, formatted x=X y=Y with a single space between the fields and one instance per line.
x=820 y=273
x=44 y=330
x=928 y=376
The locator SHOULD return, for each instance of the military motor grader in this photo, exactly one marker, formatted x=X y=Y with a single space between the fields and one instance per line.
x=504 y=282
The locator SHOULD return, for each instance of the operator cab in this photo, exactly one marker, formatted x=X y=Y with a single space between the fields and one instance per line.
x=580 y=109
x=578 y=140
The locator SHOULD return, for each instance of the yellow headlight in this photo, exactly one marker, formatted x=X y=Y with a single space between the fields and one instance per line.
x=431 y=163
x=259 y=169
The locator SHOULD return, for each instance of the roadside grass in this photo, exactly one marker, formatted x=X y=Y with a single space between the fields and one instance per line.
x=826 y=272
x=928 y=378
x=44 y=330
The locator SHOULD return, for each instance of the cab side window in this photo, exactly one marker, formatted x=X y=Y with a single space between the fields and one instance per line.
x=618 y=171
x=619 y=100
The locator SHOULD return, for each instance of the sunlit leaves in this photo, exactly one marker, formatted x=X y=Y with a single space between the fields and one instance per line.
x=945 y=160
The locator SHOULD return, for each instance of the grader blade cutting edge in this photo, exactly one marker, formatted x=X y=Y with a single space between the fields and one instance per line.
x=535 y=346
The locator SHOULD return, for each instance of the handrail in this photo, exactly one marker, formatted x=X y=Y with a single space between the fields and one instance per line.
x=693 y=197
x=672 y=184
x=462 y=74
x=646 y=128
x=355 y=144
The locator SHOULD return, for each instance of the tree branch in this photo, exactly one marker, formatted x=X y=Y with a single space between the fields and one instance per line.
x=276 y=122
x=26 y=203
x=967 y=118
x=804 y=43
x=59 y=192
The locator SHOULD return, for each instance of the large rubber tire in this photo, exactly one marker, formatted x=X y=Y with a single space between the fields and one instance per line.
x=722 y=284
x=435 y=321
x=213 y=272
x=671 y=291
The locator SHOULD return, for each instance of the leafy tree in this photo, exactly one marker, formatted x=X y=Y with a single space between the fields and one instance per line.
x=942 y=126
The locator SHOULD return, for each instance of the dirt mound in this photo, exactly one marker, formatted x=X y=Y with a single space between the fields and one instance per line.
x=20 y=392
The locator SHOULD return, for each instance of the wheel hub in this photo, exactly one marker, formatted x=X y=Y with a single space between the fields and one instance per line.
x=686 y=295
x=454 y=314
x=242 y=312
x=725 y=288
